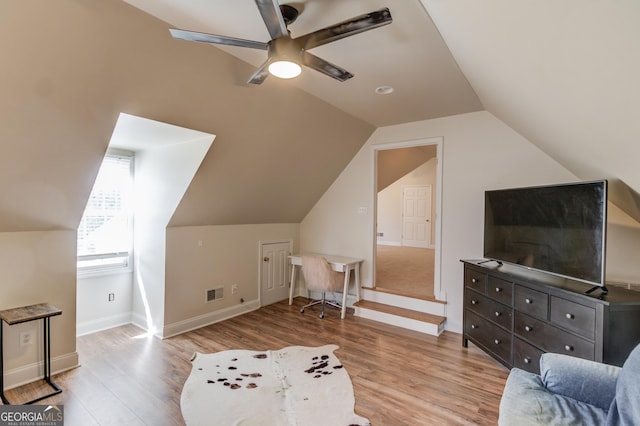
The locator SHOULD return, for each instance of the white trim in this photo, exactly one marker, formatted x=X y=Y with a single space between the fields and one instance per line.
x=33 y=372
x=438 y=141
x=390 y=243
x=405 y=302
x=104 y=323
x=199 y=321
x=398 y=321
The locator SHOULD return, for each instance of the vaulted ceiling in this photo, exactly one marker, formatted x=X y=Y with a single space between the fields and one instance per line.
x=562 y=74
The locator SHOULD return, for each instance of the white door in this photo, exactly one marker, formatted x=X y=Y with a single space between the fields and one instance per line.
x=416 y=216
x=274 y=272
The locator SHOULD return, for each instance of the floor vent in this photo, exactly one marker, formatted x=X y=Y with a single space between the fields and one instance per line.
x=215 y=294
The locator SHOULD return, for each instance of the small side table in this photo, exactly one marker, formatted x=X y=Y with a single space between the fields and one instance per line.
x=13 y=316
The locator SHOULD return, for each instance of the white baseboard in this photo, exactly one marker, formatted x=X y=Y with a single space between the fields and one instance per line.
x=207 y=319
x=101 y=324
x=399 y=321
x=33 y=372
x=390 y=243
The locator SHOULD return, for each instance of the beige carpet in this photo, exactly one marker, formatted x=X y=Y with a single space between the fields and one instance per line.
x=405 y=269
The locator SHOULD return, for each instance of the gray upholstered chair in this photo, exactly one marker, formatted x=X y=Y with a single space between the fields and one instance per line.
x=319 y=276
x=573 y=391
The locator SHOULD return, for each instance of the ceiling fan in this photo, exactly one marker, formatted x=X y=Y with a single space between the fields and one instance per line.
x=287 y=54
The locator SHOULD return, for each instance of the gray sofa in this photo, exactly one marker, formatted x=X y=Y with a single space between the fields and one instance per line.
x=573 y=391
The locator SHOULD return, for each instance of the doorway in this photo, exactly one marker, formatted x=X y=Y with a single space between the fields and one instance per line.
x=406 y=249
x=274 y=271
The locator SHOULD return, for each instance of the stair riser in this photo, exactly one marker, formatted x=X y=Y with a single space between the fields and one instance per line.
x=398 y=321
x=405 y=302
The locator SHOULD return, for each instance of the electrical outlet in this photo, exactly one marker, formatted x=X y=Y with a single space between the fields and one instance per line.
x=112 y=297
x=234 y=289
x=26 y=338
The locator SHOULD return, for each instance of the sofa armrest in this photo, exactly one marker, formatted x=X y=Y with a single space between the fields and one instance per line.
x=583 y=380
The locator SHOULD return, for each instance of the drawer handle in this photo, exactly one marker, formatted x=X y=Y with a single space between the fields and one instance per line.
x=474 y=302
x=498 y=289
x=498 y=314
x=568 y=348
x=474 y=280
x=527 y=360
x=473 y=326
x=569 y=316
x=496 y=341
x=528 y=301
x=528 y=328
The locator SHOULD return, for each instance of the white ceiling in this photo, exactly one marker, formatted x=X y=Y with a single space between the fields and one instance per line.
x=408 y=55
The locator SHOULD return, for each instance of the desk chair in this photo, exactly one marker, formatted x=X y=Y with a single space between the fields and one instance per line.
x=319 y=276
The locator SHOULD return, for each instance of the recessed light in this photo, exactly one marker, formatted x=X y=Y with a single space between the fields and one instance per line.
x=384 y=90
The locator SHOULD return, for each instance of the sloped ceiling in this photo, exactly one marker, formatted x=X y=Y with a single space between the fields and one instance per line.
x=564 y=74
x=71 y=67
x=392 y=164
x=408 y=54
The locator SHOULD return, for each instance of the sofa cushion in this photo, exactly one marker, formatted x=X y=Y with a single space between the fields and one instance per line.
x=526 y=401
x=587 y=381
x=625 y=408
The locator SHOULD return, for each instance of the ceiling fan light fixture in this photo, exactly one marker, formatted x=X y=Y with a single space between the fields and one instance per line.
x=285 y=69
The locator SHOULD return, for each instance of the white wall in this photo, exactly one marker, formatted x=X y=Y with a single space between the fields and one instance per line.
x=38 y=267
x=94 y=310
x=162 y=176
x=206 y=257
x=479 y=152
x=390 y=200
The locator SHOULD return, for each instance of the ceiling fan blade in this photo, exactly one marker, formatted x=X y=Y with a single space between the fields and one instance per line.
x=326 y=68
x=261 y=73
x=353 y=26
x=216 y=39
x=272 y=17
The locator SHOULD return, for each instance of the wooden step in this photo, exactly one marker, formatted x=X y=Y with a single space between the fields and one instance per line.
x=402 y=293
x=427 y=305
x=401 y=317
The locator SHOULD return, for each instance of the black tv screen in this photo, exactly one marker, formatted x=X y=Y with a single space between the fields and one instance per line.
x=560 y=229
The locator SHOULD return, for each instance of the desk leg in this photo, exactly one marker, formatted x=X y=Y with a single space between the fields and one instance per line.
x=4 y=399
x=357 y=272
x=292 y=285
x=347 y=273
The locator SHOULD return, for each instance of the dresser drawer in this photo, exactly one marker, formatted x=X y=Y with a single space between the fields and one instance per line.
x=573 y=316
x=526 y=356
x=475 y=280
x=489 y=309
x=500 y=290
x=531 y=302
x=486 y=334
x=551 y=339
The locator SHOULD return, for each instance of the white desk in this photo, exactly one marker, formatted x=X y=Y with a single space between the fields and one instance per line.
x=338 y=264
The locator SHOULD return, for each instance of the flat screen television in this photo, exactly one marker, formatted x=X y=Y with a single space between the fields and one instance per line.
x=558 y=229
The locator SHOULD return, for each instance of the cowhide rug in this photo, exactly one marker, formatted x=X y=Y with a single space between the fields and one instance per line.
x=296 y=385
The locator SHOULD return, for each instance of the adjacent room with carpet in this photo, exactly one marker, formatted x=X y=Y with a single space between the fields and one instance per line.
x=162 y=186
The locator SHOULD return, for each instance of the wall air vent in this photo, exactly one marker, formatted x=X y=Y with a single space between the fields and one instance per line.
x=215 y=294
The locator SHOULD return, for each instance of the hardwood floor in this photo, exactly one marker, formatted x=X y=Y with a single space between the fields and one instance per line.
x=400 y=377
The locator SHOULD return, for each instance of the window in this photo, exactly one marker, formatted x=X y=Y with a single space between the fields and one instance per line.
x=105 y=234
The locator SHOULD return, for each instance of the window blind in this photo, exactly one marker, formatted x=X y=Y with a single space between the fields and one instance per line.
x=105 y=231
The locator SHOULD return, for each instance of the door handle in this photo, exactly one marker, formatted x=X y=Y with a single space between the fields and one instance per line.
x=266 y=259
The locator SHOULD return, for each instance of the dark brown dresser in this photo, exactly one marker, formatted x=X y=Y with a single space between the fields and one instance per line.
x=515 y=315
